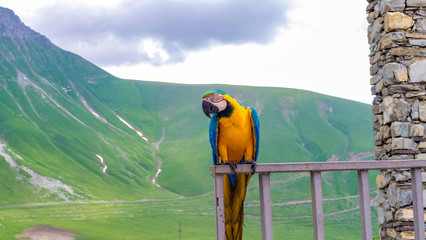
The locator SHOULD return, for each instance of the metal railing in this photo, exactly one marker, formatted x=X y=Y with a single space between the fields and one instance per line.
x=315 y=169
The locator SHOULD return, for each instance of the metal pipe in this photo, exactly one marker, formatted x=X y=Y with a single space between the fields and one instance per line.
x=265 y=206
x=364 y=201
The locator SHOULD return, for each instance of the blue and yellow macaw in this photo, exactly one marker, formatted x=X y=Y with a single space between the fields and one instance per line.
x=234 y=137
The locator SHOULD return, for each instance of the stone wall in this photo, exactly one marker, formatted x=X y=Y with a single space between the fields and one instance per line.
x=397 y=38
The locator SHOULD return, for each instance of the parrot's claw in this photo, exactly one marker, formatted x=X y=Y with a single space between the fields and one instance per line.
x=253 y=165
x=232 y=165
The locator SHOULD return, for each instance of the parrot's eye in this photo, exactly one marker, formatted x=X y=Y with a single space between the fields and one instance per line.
x=216 y=97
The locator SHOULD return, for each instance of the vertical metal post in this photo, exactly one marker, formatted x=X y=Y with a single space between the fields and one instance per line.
x=265 y=205
x=317 y=207
x=417 y=188
x=364 y=200
x=220 y=207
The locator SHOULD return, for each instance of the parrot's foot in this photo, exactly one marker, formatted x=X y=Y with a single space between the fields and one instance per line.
x=253 y=165
x=232 y=165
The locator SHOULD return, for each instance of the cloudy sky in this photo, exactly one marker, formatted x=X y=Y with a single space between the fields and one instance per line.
x=314 y=45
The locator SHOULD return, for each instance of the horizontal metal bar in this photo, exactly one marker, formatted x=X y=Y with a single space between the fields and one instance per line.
x=320 y=166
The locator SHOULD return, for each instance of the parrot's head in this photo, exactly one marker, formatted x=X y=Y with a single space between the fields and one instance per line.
x=214 y=102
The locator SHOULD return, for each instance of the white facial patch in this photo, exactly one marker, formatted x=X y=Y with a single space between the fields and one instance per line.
x=221 y=105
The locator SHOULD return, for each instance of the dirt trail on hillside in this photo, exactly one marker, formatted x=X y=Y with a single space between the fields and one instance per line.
x=42 y=232
x=159 y=162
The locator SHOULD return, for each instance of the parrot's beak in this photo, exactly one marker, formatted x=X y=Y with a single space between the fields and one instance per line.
x=209 y=108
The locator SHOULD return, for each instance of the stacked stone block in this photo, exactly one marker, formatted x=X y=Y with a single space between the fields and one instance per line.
x=397 y=38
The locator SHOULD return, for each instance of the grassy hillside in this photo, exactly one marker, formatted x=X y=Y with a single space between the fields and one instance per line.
x=48 y=119
x=79 y=149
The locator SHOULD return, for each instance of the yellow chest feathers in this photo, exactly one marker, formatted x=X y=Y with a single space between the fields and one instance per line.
x=236 y=135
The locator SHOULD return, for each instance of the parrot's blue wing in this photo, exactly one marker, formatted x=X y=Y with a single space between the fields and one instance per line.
x=213 y=128
x=256 y=130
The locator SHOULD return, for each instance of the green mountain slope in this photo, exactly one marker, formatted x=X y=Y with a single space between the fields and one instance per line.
x=53 y=117
x=71 y=132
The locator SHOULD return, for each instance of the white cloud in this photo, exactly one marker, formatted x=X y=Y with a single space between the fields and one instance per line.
x=153 y=49
x=177 y=26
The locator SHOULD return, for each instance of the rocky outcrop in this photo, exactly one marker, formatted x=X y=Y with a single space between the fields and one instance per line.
x=397 y=37
x=11 y=26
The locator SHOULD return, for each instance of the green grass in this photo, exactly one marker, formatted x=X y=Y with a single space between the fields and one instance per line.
x=160 y=219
